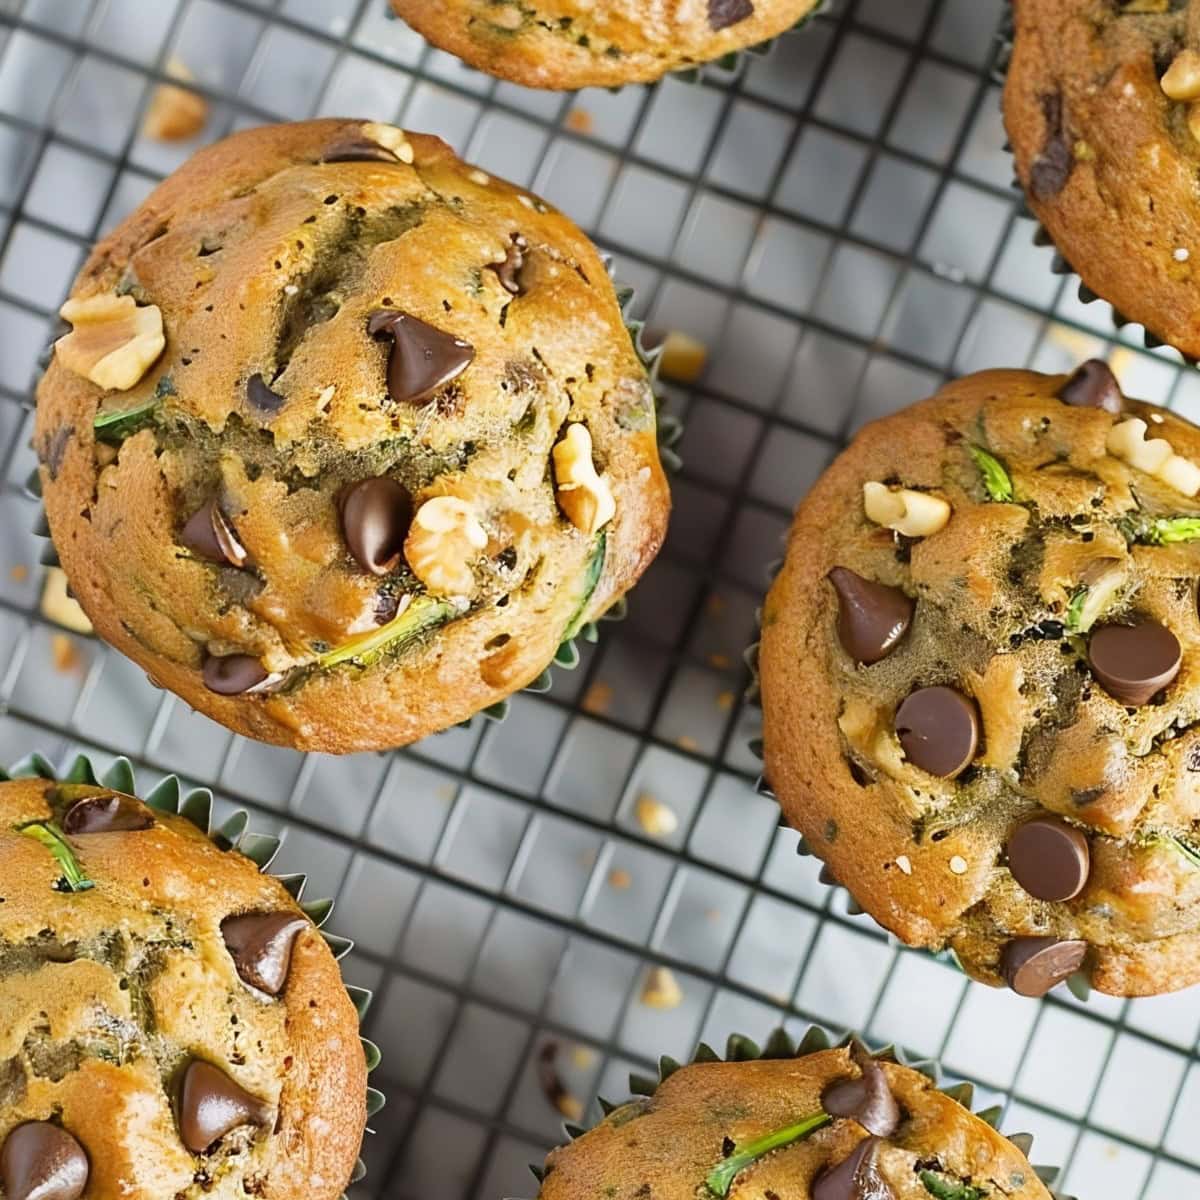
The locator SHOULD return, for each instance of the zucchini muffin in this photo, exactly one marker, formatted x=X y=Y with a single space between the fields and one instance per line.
x=172 y=1023
x=347 y=437
x=832 y=1124
x=1102 y=110
x=569 y=44
x=980 y=669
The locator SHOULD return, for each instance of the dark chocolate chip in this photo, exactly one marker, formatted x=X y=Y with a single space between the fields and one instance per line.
x=509 y=271
x=867 y=1100
x=209 y=533
x=53 y=449
x=211 y=1104
x=261 y=398
x=939 y=730
x=724 y=13
x=358 y=149
x=1052 y=167
x=261 y=947
x=872 y=617
x=114 y=813
x=1134 y=662
x=1031 y=966
x=422 y=359
x=856 y=1177
x=233 y=674
x=40 y=1161
x=1092 y=385
x=1049 y=858
x=375 y=515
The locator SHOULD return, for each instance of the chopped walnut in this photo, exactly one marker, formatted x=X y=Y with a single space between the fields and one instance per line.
x=1128 y=442
x=914 y=514
x=661 y=989
x=59 y=606
x=1182 y=78
x=175 y=113
x=583 y=495
x=112 y=342
x=444 y=539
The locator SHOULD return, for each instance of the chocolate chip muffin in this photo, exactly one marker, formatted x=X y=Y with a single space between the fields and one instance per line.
x=347 y=437
x=571 y=44
x=1101 y=109
x=172 y=1023
x=980 y=670
x=830 y=1124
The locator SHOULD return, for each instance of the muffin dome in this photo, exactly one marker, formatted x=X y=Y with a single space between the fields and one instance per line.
x=346 y=437
x=980 y=671
x=173 y=1024
x=575 y=43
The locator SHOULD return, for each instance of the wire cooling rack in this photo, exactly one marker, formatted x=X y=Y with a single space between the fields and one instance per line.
x=835 y=222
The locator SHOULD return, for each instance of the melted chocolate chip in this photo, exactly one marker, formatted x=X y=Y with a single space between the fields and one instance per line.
x=1031 y=966
x=724 y=13
x=1092 y=385
x=856 y=1177
x=423 y=359
x=939 y=730
x=233 y=674
x=867 y=1100
x=509 y=271
x=209 y=533
x=40 y=1161
x=211 y=1104
x=261 y=398
x=114 y=813
x=261 y=947
x=872 y=617
x=1052 y=167
x=1134 y=662
x=1049 y=858
x=375 y=515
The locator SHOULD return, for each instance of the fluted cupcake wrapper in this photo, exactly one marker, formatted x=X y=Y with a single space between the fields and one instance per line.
x=781 y=1045
x=232 y=835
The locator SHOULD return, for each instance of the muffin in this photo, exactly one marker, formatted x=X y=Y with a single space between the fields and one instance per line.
x=569 y=44
x=980 y=674
x=814 y=1124
x=347 y=437
x=1100 y=105
x=172 y=1023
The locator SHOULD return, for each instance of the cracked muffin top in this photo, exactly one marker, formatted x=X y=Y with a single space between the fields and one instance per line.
x=171 y=1023
x=834 y=1125
x=980 y=671
x=346 y=437
x=569 y=44
x=1102 y=106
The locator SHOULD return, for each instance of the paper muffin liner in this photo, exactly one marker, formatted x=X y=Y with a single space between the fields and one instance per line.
x=781 y=1045
x=232 y=835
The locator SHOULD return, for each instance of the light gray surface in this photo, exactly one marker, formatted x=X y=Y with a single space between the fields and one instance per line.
x=834 y=222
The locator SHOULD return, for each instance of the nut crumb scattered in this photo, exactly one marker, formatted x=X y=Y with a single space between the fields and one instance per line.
x=688 y=743
x=656 y=818
x=620 y=879
x=597 y=698
x=60 y=608
x=580 y=120
x=958 y=865
x=722 y=662
x=19 y=573
x=175 y=114
x=65 y=654
x=725 y=701
x=582 y=1057
x=661 y=990
x=683 y=357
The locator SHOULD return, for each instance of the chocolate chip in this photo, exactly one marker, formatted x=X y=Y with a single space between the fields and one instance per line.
x=509 y=271
x=939 y=730
x=113 y=813
x=423 y=358
x=211 y=1104
x=872 y=617
x=233 y=674
x=208 y=532
x=723 y=13
x=1134 y=662
x=856 y=1177
x=1052 y=168
x=358 y=149
x=40 y=1161
x=375 y=515
x=261 y=947
x=1092 y=385
x=53 y=449
x=1031 y=966
x=867 y=1100
x=261 y=398
x=1049 y=858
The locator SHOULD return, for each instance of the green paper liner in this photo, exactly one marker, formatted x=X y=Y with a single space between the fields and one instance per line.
x=781 y=1045
x=232 y=835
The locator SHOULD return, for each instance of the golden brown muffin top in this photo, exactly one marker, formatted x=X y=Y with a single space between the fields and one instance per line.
x=399 y=443
x=1100 y=106
x=171 y=1023
x=834 y=1125
x=987 y=724
x=571 y=44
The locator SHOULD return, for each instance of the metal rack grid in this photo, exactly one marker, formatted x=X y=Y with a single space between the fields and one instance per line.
x=835 y=222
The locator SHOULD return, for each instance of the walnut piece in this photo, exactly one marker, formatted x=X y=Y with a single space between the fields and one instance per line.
x=582 y=494
x=1182 y=78
x=112 y=342
x=59 y=606
x=683 y=357
x=443 y=540
x=914 y=514
x=175 y=114
x=1128 y=442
